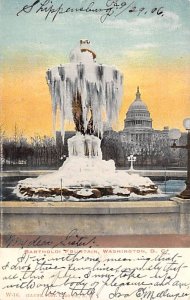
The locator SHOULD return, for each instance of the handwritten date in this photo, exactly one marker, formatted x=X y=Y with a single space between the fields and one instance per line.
x=112 y=8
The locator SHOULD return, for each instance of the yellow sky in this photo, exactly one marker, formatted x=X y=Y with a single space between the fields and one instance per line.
x=26 y=99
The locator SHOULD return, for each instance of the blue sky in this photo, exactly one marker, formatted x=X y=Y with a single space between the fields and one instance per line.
x=164 y=37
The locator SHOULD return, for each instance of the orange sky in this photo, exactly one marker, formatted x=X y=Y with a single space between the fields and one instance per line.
x=26 y=100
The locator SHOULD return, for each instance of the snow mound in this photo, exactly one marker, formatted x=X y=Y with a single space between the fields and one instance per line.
x=85 y=177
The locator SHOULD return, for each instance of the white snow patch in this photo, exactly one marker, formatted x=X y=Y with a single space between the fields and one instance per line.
x=85 y=192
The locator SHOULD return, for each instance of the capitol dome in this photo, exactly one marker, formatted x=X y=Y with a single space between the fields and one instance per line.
x=138 y=103
x=138 y=115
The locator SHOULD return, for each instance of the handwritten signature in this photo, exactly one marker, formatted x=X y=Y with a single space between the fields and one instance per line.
x=149 y=276
x=113 y=8
x=72 y=239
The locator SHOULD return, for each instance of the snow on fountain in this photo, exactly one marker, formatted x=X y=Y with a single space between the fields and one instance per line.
x=83 y=87
x=89 y=94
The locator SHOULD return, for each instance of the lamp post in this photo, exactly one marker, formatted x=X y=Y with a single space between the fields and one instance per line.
x=131 y=158
x=174 y=134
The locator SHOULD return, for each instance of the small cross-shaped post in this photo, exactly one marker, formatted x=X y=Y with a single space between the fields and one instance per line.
x=132 y=159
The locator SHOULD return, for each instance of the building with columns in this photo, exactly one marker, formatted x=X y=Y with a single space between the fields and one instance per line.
x=140 y=138
x=138 y=122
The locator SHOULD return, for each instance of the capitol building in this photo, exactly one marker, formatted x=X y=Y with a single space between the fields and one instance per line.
x=138 y=124
x=138 y=137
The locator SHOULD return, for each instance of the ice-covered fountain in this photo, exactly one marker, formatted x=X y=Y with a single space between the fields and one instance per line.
x=88 y=94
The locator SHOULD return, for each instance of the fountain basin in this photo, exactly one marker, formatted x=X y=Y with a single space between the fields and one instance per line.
x=84 y=178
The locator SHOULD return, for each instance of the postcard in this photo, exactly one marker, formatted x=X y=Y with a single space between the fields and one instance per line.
x=95 y=149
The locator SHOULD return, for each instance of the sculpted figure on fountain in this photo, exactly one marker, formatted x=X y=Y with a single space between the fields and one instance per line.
x=84 y=146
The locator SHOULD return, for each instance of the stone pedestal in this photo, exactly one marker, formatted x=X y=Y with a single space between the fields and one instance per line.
x=97 y=218
x=184 y=214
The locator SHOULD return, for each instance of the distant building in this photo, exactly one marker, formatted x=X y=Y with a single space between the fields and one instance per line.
x=151 y=146
x=138 y=124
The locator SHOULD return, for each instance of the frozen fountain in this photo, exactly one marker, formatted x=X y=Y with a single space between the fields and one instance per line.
x=88 y=94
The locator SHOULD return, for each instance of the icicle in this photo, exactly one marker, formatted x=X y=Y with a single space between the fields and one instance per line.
x=54 y=105
x=100 y=72
x=49 y=76
x=80 y=72
x=98 y=86
x=61 y=72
